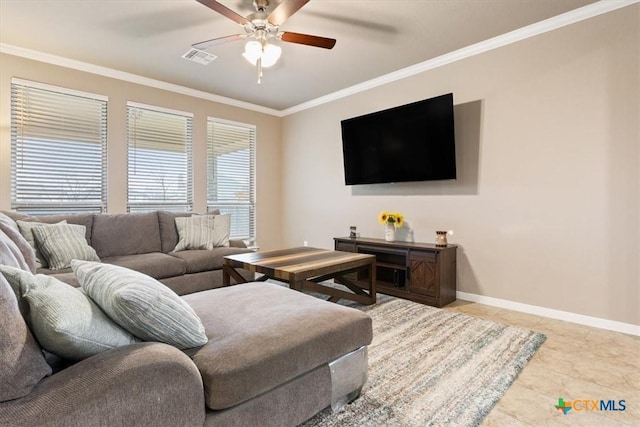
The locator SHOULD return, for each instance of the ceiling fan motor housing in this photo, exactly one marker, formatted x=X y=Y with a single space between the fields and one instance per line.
x=259 y=25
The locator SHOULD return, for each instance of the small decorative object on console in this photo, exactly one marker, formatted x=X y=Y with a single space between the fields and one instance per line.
x=352 y=232
x=441 y=237
x=391 y=220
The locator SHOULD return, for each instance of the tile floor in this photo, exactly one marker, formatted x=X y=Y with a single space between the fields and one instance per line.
x=575 y=362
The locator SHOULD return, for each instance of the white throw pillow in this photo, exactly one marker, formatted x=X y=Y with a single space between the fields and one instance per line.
x=26 y=228
x=203 y=231
x=60 y=243
x=64 y=319
x=141 y=304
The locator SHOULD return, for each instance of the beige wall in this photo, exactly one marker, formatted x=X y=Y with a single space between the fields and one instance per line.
x=546 y=210
x=119 y=92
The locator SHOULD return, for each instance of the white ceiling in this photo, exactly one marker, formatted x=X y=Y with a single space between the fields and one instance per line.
x=374 y=38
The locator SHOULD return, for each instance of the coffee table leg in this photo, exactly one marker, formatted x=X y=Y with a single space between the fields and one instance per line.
x=372 y=283
x=226 y=278
x=296 y=285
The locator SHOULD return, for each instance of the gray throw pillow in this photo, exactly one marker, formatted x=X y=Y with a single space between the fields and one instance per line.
x=203 y=232
x=26 y=229
x=60 y=243
x=64 y=319
x=141 y=304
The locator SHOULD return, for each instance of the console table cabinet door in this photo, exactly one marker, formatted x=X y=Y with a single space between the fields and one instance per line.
x=423 y=274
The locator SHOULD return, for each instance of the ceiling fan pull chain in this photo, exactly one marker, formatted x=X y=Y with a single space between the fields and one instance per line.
x=259 y=63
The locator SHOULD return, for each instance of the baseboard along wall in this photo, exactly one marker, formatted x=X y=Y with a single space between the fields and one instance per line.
x=596 y=322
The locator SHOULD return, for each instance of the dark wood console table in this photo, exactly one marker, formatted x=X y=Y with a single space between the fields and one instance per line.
x=419 y=272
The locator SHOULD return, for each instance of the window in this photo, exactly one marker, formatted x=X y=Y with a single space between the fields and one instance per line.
x=159 y=159
x=231 y=152
x=58 y=149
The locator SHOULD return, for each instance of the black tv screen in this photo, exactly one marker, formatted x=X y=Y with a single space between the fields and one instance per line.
x=413 y=142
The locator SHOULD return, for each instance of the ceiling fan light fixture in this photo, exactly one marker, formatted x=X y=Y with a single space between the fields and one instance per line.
x=252 y=51
x=270 y=55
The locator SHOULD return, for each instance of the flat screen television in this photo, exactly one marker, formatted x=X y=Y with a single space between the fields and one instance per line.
x=413 y=142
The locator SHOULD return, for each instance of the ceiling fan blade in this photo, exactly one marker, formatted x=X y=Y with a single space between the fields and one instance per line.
x=224 y=10
x=308 y=40
x=285 y=10
x=218 y=41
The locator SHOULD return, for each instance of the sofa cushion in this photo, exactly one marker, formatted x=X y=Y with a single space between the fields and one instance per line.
x=65 y=320
x=141 y=304
x=125 y=234
x=60 y=243
x=6 y=219
x=10 y=253
x=155 y=264
x=203 y=232
x=262 y=335
x=67 y=277
x=10 y=228
x=205 y=260
x=11 y=256
x=168 y=230
x=22 y=364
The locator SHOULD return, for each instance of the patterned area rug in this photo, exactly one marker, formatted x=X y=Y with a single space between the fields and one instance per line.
x=432 y=367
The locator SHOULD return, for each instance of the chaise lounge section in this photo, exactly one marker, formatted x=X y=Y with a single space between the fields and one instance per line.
x=274 y=357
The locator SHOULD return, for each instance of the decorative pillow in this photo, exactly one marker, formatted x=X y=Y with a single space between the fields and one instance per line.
x=22 y=364
x=26 y=228
x=141 y=304
x=64 y=319
x=203 y=232
x=168 y=231
x=60 y=243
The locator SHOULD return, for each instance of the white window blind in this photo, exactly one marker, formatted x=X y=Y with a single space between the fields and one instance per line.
x=58 y=149
x=231 y=152
x=159 y=159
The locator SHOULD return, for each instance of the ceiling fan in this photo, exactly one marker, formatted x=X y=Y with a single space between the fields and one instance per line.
x=260 y=27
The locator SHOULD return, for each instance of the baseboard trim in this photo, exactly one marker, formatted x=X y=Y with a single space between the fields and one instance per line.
x=581 y=319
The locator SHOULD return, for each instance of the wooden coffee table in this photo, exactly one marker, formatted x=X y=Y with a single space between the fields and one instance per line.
x=304 y=268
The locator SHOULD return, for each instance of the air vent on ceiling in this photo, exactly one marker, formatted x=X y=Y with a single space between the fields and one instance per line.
x=199 y=56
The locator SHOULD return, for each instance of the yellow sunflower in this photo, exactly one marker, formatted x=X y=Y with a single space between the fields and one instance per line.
x=395 y=218
x=383 y=217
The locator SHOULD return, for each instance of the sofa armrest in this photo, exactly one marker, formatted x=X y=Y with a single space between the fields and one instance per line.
x=237 y=243
x=138 y=385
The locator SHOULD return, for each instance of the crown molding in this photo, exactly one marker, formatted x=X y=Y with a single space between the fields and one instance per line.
x=559 y=21
x=132 y=78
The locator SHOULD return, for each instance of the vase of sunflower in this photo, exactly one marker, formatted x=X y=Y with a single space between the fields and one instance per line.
x=391 y=221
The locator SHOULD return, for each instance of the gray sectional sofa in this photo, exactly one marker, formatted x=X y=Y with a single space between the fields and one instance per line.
x=274 y=357
x=144 y=242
